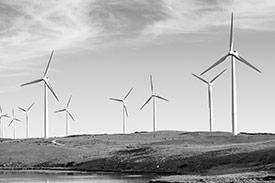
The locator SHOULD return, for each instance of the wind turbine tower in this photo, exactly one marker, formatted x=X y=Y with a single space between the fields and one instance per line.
x=210 y=98
x=124 y=109
x=1 y=123
x=66 y=109
x=47 y=85
x=13 y=121
x=153 y=97
x=234 y=55
x=27 y=112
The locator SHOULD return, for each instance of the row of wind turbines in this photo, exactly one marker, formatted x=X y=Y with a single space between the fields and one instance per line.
x=232 y=53
x=14 y=119
x=153 y=97
x=47 y=85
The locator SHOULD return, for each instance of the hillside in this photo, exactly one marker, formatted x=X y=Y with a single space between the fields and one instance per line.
x=162 y=152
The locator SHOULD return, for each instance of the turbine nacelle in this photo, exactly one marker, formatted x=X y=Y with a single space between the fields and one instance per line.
x=46 y=79
x=123 y=101
x=66 y=109
x=4 y=116
x=153 y=95
x=233 y=53
x=13 y=118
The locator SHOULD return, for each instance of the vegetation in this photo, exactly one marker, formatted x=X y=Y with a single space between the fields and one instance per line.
x=162 y=152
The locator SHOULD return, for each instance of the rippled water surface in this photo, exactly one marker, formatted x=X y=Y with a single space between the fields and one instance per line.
x=49 y=177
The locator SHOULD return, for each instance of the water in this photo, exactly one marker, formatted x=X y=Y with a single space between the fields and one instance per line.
x=56 y=177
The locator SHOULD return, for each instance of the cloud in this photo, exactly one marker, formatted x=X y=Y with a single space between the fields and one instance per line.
x=30 y=29
x=198 y=16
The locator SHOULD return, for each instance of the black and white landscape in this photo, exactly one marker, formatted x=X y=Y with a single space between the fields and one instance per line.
x=73 y=56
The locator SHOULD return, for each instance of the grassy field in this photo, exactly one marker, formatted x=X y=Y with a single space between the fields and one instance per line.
x=162 y=152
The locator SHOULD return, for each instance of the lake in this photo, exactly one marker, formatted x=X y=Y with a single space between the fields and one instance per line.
x=69 y=177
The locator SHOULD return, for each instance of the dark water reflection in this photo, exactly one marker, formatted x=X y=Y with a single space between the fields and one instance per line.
x=55 y=177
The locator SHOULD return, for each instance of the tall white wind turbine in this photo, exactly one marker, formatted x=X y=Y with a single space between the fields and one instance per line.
x=1 y=123
x=27 y=112
x=124 y=109
x=153 y=96
x=210 y=98
x=234 y=55
x=13 y=121
x=45 y=79
x=66 y=109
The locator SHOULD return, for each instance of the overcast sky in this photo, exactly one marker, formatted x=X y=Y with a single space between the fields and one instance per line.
x=105 y=47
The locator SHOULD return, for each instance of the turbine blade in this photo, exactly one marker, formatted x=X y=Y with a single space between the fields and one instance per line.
x=152 y=85
x=22 y=109
x=6 y=115
x=128 y=94
x=51 y=89
x=69 y=101
x=61 y=110
x=11 y=122
x=203 y=80
x=1 y=110
x=32 y=82
x=30 y=106
x=162 y=98
x=125 y=110
x=48 y=65
x=247 y=63
x=231 y=34
x=217 y=76
x=70 y=115
x=215 y=64
x=146 y=102
x=15 y=119
x=118 y=100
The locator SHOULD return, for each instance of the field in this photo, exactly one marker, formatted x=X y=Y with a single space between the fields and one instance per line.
x=163 y=152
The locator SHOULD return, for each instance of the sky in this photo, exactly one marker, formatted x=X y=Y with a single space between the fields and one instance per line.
x=105 y=47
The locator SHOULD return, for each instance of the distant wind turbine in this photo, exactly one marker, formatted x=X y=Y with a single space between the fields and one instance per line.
x=45 y=79
x=66 y=109
x=153 y=96
x=234 y=55
x=210 y=100
x=13 y=121
x=1 y=124
x=124 y=109
x=27 y=111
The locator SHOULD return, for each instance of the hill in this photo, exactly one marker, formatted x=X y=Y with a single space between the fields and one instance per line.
x=162 y=152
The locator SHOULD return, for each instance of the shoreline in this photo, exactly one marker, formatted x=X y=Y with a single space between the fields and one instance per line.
x=72 y=170
x=251 y=177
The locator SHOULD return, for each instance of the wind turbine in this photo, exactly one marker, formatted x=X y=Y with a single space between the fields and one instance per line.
x=124 y=109
x=13 y=121
x=27 y=111
x=210 y=100
x=45 y=79
x=66 y=109
x=153 y=96
x=234 y=55
x=1 y=124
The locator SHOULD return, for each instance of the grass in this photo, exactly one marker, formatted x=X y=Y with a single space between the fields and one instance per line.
x=162 y=152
